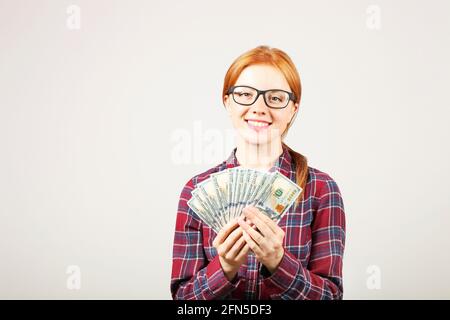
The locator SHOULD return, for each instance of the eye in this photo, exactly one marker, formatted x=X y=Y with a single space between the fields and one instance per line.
x=277 y=97
x=244 y=94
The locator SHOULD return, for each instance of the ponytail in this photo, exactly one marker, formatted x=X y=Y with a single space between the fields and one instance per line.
x=301 y=171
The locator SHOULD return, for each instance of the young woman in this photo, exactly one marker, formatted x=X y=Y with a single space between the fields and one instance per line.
x=300 y=257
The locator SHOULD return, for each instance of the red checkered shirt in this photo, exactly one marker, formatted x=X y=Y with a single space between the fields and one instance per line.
x=314 y=241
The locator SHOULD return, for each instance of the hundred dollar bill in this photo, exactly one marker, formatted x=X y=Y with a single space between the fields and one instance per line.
x=281 y=194
x=220 y=192
x=241 y=172
x=264 y=190
x=252 y=183
x=208 y=203
x=212 y=196
x=246 y=188
x=233 y=188
x=222 y=196
x=196 y=205
x=221 y=181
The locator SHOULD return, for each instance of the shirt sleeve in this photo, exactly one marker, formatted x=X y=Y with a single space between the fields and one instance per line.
x=193 y=276
x=322 y=278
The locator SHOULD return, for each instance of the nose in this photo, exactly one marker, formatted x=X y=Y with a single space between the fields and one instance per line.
x=259 y=106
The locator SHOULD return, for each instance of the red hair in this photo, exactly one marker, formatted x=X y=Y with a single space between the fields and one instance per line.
x=281 y=61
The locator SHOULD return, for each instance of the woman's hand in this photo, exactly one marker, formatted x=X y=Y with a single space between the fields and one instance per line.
x=267 y=244
x=231 y=248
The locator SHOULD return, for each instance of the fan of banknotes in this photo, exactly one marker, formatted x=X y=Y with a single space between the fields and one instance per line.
x=222 y=196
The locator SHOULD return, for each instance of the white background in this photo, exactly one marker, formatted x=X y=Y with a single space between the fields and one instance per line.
x=89 y=120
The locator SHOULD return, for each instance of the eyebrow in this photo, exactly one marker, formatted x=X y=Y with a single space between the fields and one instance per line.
x=245 y=85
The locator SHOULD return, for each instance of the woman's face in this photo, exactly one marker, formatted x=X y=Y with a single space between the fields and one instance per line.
x=257 y=123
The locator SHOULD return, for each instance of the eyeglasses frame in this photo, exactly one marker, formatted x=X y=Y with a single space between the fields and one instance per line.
x=261 y=92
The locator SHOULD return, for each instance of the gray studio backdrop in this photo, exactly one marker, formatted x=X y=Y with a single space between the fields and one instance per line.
x=107 y=108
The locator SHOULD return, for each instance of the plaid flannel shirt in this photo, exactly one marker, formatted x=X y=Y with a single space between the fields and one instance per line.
x=314 y=241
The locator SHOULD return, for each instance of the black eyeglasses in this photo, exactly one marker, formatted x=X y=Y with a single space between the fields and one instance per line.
x=274 y=98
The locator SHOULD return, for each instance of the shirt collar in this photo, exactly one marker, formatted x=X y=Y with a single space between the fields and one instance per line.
x=283 y=163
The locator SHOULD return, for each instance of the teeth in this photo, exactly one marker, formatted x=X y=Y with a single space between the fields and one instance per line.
x=258 y=124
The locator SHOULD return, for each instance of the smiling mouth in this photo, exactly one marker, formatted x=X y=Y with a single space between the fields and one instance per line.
x=258 y=125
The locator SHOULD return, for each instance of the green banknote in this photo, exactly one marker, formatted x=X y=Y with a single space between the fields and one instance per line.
x=222 y=197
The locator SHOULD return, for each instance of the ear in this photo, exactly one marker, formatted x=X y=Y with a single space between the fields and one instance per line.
x=226 y=103
x=294 y=111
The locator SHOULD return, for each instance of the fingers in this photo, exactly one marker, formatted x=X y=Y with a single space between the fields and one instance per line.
x=277 y=232
x=261 y=225
x=244 y=251
x=263 y=217
x=252 y=244
x=236 y=248
x=230 y=241
x=224 y=232
x=255 y=235
x=266 y=225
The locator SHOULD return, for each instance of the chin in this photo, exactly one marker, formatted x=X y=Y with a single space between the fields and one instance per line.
x=256 y=140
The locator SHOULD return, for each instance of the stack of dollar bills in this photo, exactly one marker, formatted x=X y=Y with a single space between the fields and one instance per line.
x=221 y=198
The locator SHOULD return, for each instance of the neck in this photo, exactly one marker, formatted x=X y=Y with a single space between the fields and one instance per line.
x=258 y=156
